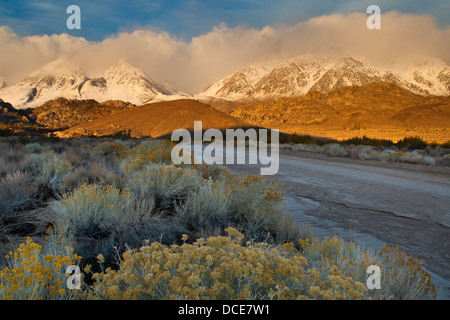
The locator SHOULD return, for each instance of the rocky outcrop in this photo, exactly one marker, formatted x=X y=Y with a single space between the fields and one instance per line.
x=62 y=113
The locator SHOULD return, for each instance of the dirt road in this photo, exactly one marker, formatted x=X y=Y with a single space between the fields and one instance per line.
x=372 y=203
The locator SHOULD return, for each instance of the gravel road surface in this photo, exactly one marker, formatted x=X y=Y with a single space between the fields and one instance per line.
x=371 y=203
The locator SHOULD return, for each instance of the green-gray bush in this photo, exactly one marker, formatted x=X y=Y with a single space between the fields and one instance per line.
x=91 y=210
x=166 y=183
x=53 y=173
x=16 y=189
x=206 y=208
x=33 y=147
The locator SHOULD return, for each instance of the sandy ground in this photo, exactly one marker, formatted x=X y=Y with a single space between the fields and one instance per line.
x=371 y=203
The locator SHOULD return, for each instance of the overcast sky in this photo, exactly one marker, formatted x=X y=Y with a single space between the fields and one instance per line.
x=193 y=43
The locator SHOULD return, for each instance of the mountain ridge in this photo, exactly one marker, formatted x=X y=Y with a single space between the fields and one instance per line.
x=60 y=78
x=302 y=74
x=292 y=77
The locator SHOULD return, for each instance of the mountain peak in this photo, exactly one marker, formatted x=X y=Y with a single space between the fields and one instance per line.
x=123 y=68
x=59 y=67
x=139 y=84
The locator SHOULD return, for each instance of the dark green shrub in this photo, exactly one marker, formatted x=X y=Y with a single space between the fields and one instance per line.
x=411 y=143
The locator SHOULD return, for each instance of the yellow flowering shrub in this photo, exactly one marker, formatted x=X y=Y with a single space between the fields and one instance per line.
x=222 y=268
x=349 y=257
x=402 y=276
x=32 y=275
x=256 y=205
x=219 y=268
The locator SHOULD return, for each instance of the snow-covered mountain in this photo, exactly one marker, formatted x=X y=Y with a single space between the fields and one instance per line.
x=56 y=79
x=63 y=79
x=125 y=82
x=299 y=75
x=292 y=77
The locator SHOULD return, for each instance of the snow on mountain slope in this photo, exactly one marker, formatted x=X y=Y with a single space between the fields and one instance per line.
x=62 y=79
x=347 y=72
x=56 y=79
x=299 y=75
x=294 y=76
x=425 y=77
x=240 y=84
x=125 y=82
x=122 y=78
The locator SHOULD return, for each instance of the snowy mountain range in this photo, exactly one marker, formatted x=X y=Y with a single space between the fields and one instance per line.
x=60 y=78
x=299 y=75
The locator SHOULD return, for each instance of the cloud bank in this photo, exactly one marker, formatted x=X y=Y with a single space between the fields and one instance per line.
x=191 y=66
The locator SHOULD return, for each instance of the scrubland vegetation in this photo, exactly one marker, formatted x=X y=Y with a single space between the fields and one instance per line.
x=140 y=227
x=408 y=150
